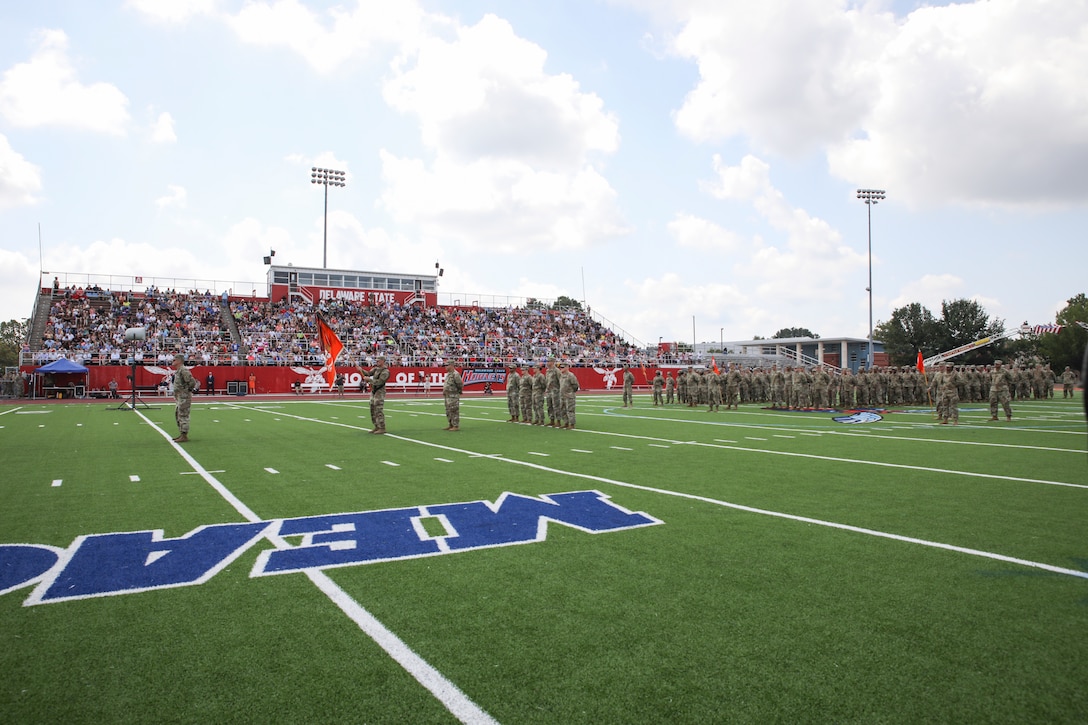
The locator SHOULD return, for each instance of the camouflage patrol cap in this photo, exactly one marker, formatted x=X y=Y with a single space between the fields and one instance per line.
x=997 y=362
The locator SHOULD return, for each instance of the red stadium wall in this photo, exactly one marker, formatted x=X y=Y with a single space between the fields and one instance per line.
x=415 y=380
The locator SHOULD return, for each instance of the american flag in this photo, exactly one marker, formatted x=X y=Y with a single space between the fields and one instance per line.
x=1040 y=329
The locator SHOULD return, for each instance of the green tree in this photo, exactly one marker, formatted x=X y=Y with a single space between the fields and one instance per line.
x=12 y=335
x=566 y=303
x=910 y=329
x=794 y=332
x=534 y=304
x=1067 y=347
x=964 y=321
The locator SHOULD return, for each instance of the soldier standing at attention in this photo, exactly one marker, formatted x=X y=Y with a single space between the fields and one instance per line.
x=184 y=385
x=568 y=386
x=551 y=389
x=451 y=392
x=525 y=405
x=778 y=386
x=377 y=377
x=670 y=390
x=659 y=386
x=821 y=381
x=1000 y=379
x=713 y=391
x=540 y=386
x=513 y=392
x=732 y=387
x=948 y=405
x=628 y=387
x=1069 y=379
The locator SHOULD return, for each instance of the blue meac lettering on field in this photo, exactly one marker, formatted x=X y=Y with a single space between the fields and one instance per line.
x=106 y=564
x=350 y=539
x=101 y=565
x=345 y=540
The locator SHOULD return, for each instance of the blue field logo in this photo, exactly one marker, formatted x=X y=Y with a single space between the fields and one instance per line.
x=101 y=565
x=861 y=416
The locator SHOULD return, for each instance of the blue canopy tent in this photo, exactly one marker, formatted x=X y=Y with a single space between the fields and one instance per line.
x=61 y=366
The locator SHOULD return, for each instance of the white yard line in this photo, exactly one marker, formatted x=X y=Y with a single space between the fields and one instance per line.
x=777 y=514
x=459 y=704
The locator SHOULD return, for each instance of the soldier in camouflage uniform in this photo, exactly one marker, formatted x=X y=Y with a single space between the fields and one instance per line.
x=451 y=394
x=821 y=381
x=658 y=388
x=568 y=386
x=1023 y=382
x=670 y=390
x=551 y=389
x=540 y=387
x=862 y=388
x=377 y=378
x=1038 y=383
x=1069 y=379
x=778 y=387
x=184 y=385
x=713 y=391
x=513 y=392
x=895 y=386
x=1000 y=380
x=948 y=401
x=847 y=390
x=525 y=395
x=628 y=387
x=732 y=388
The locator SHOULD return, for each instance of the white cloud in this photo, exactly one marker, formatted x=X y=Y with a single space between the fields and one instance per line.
x=980 y=103
x=20 y=180
x=177 y=197
x=789 y=75
x=162 y=131
x=19 y=278
x=513 y=146
x=971 y=102
x=803 y=281
x=929 y=290
x=173 y=11
x=696 y=233
x=328 y=40
x=46 y=91
x=813 y=264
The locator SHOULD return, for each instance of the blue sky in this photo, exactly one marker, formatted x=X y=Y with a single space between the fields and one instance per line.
x=662 y=160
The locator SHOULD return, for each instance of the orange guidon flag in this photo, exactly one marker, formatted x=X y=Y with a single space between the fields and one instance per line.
x=714 y=365
x=921 y=363
x=331 y=346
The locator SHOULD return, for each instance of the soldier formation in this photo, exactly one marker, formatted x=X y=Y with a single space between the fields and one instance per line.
x=798 y=387
x=542 y=396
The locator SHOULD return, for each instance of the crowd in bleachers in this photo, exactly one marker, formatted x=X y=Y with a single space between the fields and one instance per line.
x=90 y=328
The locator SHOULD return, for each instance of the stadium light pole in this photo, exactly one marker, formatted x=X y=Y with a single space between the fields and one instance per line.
x=870 y=197
x=327 y=178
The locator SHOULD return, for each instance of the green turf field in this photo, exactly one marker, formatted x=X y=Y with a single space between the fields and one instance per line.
x=759 y=566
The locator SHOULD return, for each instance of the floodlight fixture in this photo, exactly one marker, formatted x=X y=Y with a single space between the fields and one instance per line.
x=327 y=178
x=871 y=197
